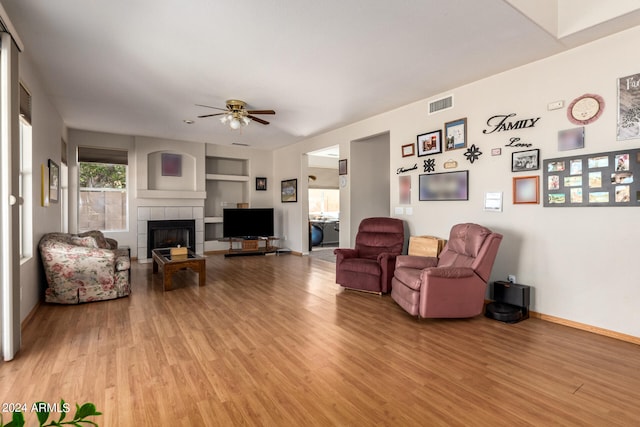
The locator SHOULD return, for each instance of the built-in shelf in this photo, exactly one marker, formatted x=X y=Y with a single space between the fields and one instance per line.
x=227 y=184
x=221 y=177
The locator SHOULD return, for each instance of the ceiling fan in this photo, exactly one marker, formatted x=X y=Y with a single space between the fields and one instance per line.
x=236 y=114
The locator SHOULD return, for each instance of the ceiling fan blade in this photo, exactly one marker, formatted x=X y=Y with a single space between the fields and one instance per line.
x=211 y=115
x=208 y=106
x=261 y=112
x=259 y=120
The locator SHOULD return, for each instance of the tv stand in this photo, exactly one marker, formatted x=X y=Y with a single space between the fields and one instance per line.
x=247 y=246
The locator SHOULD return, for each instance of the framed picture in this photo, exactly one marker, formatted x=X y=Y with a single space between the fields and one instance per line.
x=171 y=164
x=429 y=143
x=44 y=185
x=629 y=107
x=408 y=150
x=444 y=186
x=525 y=160
x=342 y=167
x=455 y=134
x=289 y=191
x=571 y=139
x=526 y=190
x=54 y=181
x=595 y=179
x=261 y=184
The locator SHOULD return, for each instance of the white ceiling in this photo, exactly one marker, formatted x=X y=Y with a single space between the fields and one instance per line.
x=139 y=67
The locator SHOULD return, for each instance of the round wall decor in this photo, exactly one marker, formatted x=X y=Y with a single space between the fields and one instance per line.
x=585 y=109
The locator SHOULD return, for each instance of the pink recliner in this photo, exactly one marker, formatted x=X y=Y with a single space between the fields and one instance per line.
x=369 y=266
x=453 y=285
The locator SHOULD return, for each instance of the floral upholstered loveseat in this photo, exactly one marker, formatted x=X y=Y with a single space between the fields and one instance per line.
x=84 y=268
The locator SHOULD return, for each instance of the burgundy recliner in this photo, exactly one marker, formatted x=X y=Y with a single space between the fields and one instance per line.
x=452 y=285
x=369 y=266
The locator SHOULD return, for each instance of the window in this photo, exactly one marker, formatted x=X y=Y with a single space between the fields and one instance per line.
x=324 y=202
x=25 y=177
x=102 y=177
x=25 y=191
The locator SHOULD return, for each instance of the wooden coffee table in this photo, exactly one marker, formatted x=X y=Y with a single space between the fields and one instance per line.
x=171 y=264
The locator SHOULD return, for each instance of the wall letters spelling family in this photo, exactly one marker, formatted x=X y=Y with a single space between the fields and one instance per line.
x=501 y=122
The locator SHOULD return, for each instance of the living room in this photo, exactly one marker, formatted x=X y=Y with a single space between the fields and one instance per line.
x=570 y=256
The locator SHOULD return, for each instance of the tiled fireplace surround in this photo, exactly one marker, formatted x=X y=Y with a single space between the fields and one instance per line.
x=146 y=213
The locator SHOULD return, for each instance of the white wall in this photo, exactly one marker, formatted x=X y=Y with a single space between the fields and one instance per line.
x=47 y=132
x=579 y=260
x=368 y=170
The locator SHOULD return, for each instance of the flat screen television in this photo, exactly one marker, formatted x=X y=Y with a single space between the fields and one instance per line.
x=256 y=222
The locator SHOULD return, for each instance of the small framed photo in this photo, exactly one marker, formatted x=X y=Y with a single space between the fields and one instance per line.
x=54 y=181
x=289 y=191
x=429 y=143
x=526 y=190
x=496 y=151
x=342 y=167
x=525 y=160
x=571 y=139
x=171 y=164
x=408 y=150
x=261 y=184
x=455 y=134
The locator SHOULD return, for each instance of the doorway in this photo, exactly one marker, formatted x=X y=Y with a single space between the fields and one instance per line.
x=324 y=201
x=369 y=165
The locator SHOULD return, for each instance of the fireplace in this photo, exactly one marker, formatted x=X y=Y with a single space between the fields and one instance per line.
x=171 y=233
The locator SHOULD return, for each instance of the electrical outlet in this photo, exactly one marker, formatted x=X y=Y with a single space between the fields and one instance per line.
x=511 y=278
x=555 y=105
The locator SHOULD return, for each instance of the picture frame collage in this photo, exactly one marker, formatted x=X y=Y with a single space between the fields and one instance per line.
x=598 y=179
x=430 y=185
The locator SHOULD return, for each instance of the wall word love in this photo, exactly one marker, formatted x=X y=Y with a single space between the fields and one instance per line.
x=405 y=170
x=515 y=142
x=500 y=122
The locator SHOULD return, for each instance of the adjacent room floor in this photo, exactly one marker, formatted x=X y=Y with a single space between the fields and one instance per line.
x=273 y=341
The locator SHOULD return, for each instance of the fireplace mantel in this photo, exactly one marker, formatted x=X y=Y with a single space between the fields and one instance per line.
x=170 y=194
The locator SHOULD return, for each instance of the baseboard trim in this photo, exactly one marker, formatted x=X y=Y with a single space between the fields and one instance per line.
x=30 y=316
x=584 y=327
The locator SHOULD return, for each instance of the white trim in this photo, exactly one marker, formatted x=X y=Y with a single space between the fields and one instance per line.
x=4 y=17
x=6 y=242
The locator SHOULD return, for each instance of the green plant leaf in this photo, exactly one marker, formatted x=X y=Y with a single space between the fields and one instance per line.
x=17 y=420
x=86 y=410
x=62 y=412
x=42 y=415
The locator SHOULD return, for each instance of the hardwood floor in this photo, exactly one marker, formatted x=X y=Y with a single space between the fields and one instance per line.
x=273 y=341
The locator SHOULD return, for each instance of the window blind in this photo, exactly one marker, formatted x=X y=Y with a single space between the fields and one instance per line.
x=102 y=155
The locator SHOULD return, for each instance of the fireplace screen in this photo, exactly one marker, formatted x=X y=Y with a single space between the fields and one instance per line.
x=169 y=234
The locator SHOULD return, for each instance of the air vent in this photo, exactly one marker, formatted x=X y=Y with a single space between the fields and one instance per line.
x=441 y=104
x=240 y=144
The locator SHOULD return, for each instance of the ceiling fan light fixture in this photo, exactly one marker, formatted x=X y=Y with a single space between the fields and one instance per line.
x=236 y=115
x=235 y=123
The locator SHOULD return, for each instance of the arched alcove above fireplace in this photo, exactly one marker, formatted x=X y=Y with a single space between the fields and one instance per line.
x=171 y=171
